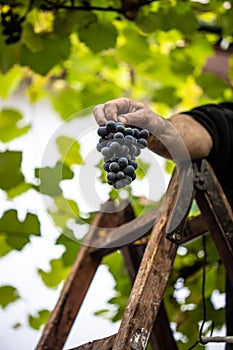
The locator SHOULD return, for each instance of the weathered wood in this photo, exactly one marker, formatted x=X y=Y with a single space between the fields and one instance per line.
x=161 y=336
x=151 y=280
x=217 y=211
x=195 y=227
x=99 y=344
x=125 y=234
x=75 y=288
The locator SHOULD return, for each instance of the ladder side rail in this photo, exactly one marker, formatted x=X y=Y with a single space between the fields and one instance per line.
x=214 y=205
x=150 y=283
x=75 y=288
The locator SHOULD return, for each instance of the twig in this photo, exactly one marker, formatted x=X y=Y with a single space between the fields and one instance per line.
x=227 y=339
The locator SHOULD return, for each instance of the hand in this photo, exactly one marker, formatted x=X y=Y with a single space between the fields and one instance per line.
x=128 y=112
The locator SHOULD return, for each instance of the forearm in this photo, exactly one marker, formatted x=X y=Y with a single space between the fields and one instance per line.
x=195 y=137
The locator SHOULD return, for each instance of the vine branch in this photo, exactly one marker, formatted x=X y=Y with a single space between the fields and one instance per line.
x=227 y=339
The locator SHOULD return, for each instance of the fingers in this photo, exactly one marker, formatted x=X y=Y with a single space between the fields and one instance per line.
x=111 y=110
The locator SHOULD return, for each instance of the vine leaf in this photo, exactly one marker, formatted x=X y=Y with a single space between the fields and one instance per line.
x=51 y=177
x=9 y=129
x=99 y=35
x=17 y=233
x=8 y=294
x=10 y=173
x=69 y=150
x=39 y=320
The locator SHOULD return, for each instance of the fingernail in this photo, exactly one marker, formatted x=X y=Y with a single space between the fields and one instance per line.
x=122 y=120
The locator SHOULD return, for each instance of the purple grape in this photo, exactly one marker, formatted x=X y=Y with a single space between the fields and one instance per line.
x=102 y=131
x=122 y=162
x=129 y=169
x=112 y=176
x=111 y=125
x=120 y=128
x=114 y=167
x=144 y=134
x=120 y=175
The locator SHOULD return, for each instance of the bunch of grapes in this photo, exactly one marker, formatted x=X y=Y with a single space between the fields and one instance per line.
x=120 y=145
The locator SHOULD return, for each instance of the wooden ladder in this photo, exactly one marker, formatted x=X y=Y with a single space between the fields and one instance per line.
x=149 y=265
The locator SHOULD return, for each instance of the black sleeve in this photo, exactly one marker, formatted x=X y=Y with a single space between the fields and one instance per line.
x=218 y=121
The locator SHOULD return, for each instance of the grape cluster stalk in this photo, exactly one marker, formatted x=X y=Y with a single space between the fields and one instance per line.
x=120 y=145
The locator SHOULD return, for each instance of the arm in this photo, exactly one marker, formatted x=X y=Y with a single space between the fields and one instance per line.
x=179 y=130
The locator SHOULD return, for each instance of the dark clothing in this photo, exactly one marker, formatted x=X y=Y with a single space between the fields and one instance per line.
x=218 y=120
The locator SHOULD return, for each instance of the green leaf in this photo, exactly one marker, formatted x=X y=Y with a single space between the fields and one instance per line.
x=39 y=320
x=9 y=54
x=32 y=41
x=58 y=272
x=69 y=150
x=10 y=81
x=8 y=294
x=9 y=119
x=169 y=166
x=17 y=232
x=142 y=168
x=72 y=248
x=212 y=86
x=66 y=209
x=18 y=190
x=99 y=35
x=51 y=177
x=10 y=173
x=5 y=248
x=55 y=50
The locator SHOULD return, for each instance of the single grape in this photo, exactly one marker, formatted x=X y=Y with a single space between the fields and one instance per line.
x=136 y=133
x=142 y=143
x=102 y=131
x=114 y=167
x=106 y=151
x=112 y=176
x=118 y=135
x=133 y=176
x=132 y=150
x=122 y=162
x=99 y=147
x=133 y=163
x=119 y=184
x=120 y=175
x=129 y=178
x=138 y=152
x=144 y=134
x=129 y=131
x=129 y=169
x=106 y=166
x=124 y=150
x=126 y=182
x=115 y=146
x=129 y=139
x=120 y=128
x=111 y=125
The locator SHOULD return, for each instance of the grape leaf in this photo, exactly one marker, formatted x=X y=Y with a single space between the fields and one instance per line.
x=69 y=150
x=51 y=177
x=58 y=272
x=39 y=320
x=9 y=129
x=10 y=173
x=17 y=232
x=99 y=35
x=8 y=294
x=10 y=81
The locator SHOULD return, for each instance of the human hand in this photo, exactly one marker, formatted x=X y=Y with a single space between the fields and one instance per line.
x=128 y=112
